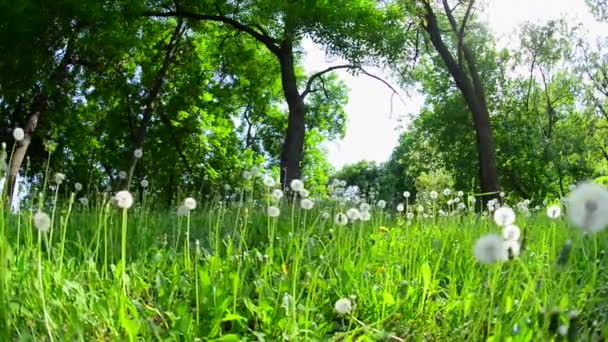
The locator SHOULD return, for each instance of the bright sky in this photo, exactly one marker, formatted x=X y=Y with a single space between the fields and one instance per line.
x=372 y=132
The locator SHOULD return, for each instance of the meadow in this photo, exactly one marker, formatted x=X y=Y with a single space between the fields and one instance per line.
x=266 y=267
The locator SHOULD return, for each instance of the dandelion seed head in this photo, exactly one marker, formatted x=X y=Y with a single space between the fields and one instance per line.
x=273 y=211
x=511 y=232
x=247 y=175
x=83 y=201
x=138 y=153
x=554 y=211
x=504 y=216
x=18 y=134
x=400 y=207
x=325 y=215
x=306 y=204
x=460 y=193
x=406 y=194
x=182 y=210
x=490 y=249
x=58 y=178
x=296 y=185
x=381 y=204
x=512 y=248
x=77 y=186
x=447 y=192
x=409 y=216
x=269 y=181
x=341 y=219
x=353 y=214
x=277 y=194
x=144 y=183
x=122 y=174
x=365 y=216
x=190 y=203
x=343 y=306
x=42 y=221
x=433 y=195
x=304 y=193
x=587 y=207
x=124 y=199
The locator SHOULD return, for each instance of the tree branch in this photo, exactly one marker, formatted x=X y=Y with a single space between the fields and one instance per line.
x=259 y=34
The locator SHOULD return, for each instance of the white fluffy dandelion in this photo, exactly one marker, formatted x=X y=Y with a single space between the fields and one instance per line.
x=400 y=207
x=304 y=193
x=124 y=199
x=406 y=194
x=277 y=194
x=409 y=216
x=247 y=175
x=490 y=249
x=306 y=204
x=512 y=248
x=343 y=306
x=433 y=195
x=296 y=185
x=273 y=211
x=83 y=201
x=269 y=181
x=511 y=232
x=341 y=219
x=144 y=183
x=588 y=207
x=365 y=216
x=77 y=186
x=381 y=204
x=122 y=174
x=190 y=203
x=460 y=193
x=18 y=134
x=504 y=216
x=554 y=211
x=447 y=192
x=42 y=221
x=182 y=211
x=58 y=178
x=138 y=153
x=364 y=206
x=353 y=214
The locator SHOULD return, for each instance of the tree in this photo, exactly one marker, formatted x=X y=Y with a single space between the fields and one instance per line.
x=280 y=27
x=462 y=66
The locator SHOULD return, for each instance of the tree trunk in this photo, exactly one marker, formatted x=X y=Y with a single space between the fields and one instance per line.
x=293 y=146
x=38 y=107
x=140 y=134
x=472 y=92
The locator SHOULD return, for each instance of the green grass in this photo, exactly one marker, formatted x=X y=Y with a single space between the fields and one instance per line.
x=251 y=278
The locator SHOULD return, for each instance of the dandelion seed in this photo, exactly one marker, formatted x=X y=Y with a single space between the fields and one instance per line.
x=269 y=181
x=419 y=208
x=433 y=195
x=587 y=207
x=182 y=211
x=277 y=194
x=365 y=207
x=124 y=199
x=247 y=175
x=504 y=216
x=296 y=185
x=341 y=219
x=365 y=216
x=511 y=232
x=42 y=221
x=138 y=153
x=273 y=211
x=304 y=193
x=18 y=134
x=447 y=192
x=409 y=216
x=462 y=206
x=406 y=194
x=512 y=248
x=353 y=214
x=342 y=183
x=460 y=193
x=83 y=201
x=554 y=211
x=343 y=306
x=450 y=202
x=381 y=204
x=490 y=249
x=122 y=175
x=306 y=204
x=77 y=187
x=58 y=178
x=144 y=183
x=400 y=207
x=190 y=203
